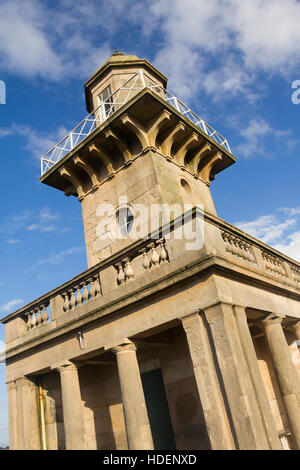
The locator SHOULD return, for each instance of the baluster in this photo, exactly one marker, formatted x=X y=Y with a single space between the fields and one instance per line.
x=155 y=256
x=38 y=316
x=92 y=288
x=72 y=299
x=281 y=268
x=85 y=294
x=249 y=254
x=97 y=285
x=272 y=264
x=227 y=240
x=28 y=323
x=146 y=261
x=45 y=316
x=225 y=236
x=121 y=274
x=79 y=295
x=234 y=248
x=230 y=246
x=163 y=252
x=33 y=319
x=129 y=273
x=66 y=305
x=241 y=248
x=269 y=264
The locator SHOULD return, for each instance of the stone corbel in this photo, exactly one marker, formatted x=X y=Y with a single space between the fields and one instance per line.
x=66 y=173
x=137 y=129
x=87 y=168
x=109 y=134
x=103 y=157
x=155 y=125
x=194 y=163
x=166 y=145
x=70 y=190
x=205 y=172
x=184 y=148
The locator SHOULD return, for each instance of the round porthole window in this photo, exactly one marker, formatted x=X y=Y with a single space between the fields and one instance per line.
x=185 y=186
x=125 y=219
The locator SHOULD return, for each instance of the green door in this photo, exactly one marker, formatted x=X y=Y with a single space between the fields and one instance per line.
x=158 y=410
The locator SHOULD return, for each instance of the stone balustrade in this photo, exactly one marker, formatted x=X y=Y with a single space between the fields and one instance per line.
x=88 y=287
x=238 y=247
x=76 y=294
x=153 y=255
x=274 y=264
x=295 y=272
x=242 y=248
x=81 y=293
x=143 y=257
x=37 y=316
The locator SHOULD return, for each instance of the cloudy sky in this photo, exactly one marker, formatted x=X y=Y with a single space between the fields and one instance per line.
x=234 y=62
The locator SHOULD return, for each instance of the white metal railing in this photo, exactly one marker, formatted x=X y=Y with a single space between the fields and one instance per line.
x=115 y=101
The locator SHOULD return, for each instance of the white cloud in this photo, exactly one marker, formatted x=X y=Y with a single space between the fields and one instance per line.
x=290 y=246
x=254 y=138
x=268 y=228
x=217 y=45
x=279 y=230
x=234 y=40
x=291 y=210
x=37 y=142
x=8 y=306
x=47 y=41
x=267 y=32
x=15 y=222
x=58 y=257
x=24 y=45
x=41 y=221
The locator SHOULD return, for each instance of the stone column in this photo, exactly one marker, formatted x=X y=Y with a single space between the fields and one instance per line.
x=13 y=415
x=72 y=407
x=28 y=416
x=295 y=328
x=285 y=371
x=138 y=429
x=217 y=425
x=234 y=375
x=260 y=392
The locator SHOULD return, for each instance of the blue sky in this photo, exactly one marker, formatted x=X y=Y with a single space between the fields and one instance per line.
x=233 y=62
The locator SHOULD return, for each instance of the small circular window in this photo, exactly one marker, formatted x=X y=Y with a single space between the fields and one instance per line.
x=185 y=185
x=125 y=218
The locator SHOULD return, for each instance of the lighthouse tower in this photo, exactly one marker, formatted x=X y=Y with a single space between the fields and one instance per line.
x=139 y=143
x=157 y=345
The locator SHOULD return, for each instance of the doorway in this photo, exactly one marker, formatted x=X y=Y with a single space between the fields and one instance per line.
x=158 y=410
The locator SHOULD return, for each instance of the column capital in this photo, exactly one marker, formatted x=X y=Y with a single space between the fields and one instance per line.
x=295 y=329
x=124 y=347
x=11 y=385
x=65 y=366
x=190 y=318
x=270 y=320
x=24 y=382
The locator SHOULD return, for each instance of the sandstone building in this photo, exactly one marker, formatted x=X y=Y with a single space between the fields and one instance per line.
x=155 y=345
